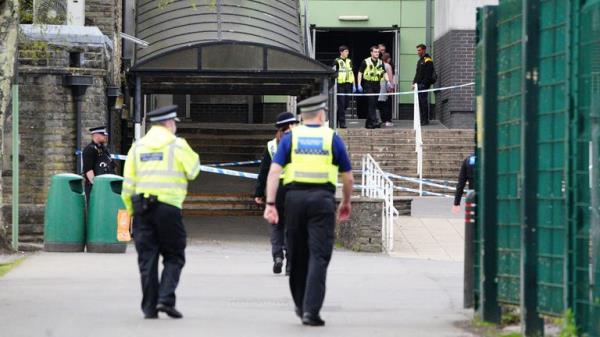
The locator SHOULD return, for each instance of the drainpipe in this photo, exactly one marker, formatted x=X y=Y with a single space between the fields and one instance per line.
x=428 y=23
x=15 y=165
x=79 y=84
x=111 y=98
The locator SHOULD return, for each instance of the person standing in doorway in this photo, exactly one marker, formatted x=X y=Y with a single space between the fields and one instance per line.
x=384 y=102
x=313 y=156
x=96 y=159
x=424 y=78
x=345 y=84
x=284 y=124
x=157 y=170
x=372 y=71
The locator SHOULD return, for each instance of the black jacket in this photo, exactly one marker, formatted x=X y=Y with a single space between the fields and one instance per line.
x=261 y=183
x=466 y=175
x=424 y=74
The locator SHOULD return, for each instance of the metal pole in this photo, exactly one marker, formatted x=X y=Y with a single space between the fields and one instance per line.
x=15 y=166
x=137 y=117
x=78 y=104
x=469 y=272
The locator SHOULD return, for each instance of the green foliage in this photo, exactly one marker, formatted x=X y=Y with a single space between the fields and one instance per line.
x=569 y=329
x=6 y=267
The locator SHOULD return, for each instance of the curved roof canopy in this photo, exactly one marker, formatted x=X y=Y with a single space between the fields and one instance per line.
x=232 y=46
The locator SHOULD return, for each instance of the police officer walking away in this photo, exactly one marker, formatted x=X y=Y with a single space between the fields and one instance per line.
x=285 y=122
x=96 y=159
x=466 y=175
x=156 y=172
x=424 y=78
x=345 y=84
x=372 y=71
x=312 y=155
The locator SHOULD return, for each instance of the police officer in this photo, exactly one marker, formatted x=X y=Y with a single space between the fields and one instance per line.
x=285 y=122
x=156 y=172
x=372 y=71
x=312 y=155
x=345 y=84
x=96 y=158
x=466 y=175
x=424 y=78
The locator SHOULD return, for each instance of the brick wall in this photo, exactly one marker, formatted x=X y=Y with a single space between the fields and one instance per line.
x=102 y=14
x=455 y=64
x=48 y=123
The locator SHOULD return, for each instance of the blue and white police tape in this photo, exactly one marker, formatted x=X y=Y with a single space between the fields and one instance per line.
x=236 y=163
x=417 y=181
x=408 y=92
x=233 y=173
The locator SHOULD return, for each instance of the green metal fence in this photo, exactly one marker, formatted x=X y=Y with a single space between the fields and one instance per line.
x=538 y=126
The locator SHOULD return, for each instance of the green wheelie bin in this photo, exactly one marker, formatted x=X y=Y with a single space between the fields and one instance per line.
x=64 y=217
x=105 y=202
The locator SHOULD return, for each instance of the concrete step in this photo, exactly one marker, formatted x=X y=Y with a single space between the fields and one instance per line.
x=238 y=204
x=223 y=149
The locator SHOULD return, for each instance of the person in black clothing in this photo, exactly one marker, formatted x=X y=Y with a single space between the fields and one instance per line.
x=423 y=80
x=285 y=122
x=466 y=175
x=371 y=72
x=96 y=159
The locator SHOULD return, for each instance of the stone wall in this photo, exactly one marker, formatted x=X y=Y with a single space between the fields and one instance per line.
x=8 y=49
x=455 y=65
x=48 y=122
x=362 y=232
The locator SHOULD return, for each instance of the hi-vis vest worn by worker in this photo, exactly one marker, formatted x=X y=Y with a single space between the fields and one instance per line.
x=311 y=159
x=345 y=73
x=373 y=72
x=159 y=164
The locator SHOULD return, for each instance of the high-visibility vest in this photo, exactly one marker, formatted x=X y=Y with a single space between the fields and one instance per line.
x=373 y=72
x=311 y=159
x=345 y=73
x=159 y=164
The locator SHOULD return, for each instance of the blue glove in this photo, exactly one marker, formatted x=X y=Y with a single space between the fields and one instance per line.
x=360 y=88
x=353 y=88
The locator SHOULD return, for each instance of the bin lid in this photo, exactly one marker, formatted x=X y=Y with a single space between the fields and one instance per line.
x=67 y=176
x=109 y=177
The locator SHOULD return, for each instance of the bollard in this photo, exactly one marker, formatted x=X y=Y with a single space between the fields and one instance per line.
x=469 y=275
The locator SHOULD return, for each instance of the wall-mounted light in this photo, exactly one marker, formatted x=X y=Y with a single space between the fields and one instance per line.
x=353 y=18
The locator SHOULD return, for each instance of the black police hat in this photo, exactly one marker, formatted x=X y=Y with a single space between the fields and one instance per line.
x=313 y=104
x=99 y=129
x=163 y=114
x=285 y=118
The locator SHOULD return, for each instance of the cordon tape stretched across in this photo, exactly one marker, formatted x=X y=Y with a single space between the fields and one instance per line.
x=409 y=92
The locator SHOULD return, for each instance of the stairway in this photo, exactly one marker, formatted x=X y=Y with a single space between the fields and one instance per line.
x=394 y=150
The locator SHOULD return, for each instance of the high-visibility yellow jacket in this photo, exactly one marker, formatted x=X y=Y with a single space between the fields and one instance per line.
x=311 y=159
x=373 y=72
x=159 y=164
x=345 y=72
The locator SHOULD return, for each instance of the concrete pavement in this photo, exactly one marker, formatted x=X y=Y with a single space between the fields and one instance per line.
x=227 y=289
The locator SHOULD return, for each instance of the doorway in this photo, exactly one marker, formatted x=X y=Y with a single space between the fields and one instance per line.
x=327 y=41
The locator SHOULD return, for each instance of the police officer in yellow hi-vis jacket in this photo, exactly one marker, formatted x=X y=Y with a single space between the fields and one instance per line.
x=156 y=172
x=312 y=155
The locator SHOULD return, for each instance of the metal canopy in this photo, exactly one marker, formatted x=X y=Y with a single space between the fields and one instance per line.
x=227 y=67
x=231 y=46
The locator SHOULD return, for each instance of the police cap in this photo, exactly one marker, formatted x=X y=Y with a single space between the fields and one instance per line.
x=99 y=129
x=313 y=104
x=285 y=118
x=163 y=114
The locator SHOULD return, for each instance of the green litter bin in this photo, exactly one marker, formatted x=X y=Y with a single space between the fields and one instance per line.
x=105 y=202
x=64 y=217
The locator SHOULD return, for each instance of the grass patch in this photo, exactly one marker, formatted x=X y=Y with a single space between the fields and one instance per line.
x=6 y=267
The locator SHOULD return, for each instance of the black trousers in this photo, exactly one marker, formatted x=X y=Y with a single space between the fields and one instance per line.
x=385 y=107
x=159 y=232
x=372 y=88
x=278 y=240
x=310 y=222
x=88 y=192
x=424 y=103
x=343 y=101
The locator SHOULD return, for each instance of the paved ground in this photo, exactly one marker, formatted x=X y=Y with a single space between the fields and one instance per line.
x=227 y=290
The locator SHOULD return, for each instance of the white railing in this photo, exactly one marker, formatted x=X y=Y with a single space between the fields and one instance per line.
x=375 y=184
x=418 y=137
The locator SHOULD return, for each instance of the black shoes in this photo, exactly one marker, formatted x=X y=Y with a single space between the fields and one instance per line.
x=312 y=319
x=298 y=312
x=277 y=265
x=151 y=316
x=170 y=311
